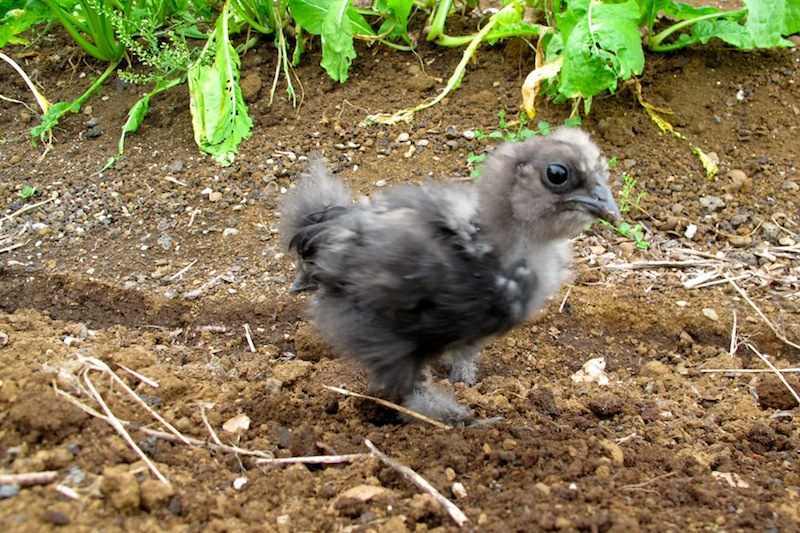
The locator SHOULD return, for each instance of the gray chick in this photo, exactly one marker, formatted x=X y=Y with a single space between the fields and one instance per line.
x=442 y=269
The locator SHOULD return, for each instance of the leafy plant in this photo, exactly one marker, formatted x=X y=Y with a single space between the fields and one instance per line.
x=26 y=192
x=596 y=43
x=514 y=131
x=89 y=24
x=628 y=199
x=17 y=16
x=635 y=233
x=219 y=113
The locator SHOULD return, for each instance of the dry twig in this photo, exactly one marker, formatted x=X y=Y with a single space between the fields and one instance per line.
x=391 y=405
x=163 y=435
x=29 y=207
x=116 y=424
x=314 y=459
x=455 y=513
x=775 y=370
x=771 y=326
x=249 y=338
x=29 y=479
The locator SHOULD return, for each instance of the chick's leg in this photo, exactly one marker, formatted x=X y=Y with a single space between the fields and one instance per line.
x=438 y=404
x=463 y=364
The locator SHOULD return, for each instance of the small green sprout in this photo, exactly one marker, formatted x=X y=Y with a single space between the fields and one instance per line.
x=507 y=133
x=27 y=192
x=627 y=199
x=635 y=233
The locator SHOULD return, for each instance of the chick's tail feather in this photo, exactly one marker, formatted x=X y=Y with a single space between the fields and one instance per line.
x=316 y=197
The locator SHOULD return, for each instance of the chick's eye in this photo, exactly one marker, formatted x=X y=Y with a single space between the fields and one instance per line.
x=557 y=175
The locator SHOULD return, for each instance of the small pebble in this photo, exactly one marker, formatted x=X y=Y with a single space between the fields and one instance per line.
x=712 y=203
x=740 y=241
x=92 y=122
x=165 y=241
x=229 y=232
x=770 y=231
x=56 y=518
x=468 y=134
x=738 y=220
x=215 y=196
x=193 y=295
x=94 y=133
x=8 y=491
x=710 y=314
x=403 y=137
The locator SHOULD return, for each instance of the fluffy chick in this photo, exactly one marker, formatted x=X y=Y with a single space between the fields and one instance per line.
x=443 y=268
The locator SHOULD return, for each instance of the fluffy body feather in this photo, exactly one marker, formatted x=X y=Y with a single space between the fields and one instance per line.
x=423 y=271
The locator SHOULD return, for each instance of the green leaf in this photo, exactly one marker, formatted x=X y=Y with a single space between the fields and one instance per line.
x=767 y=20
x=50 y=119
x=311 y=14
x=601 y=43
x=398 y=12
x=727 y=30
x=337 y=41
x=16 y=20
x=792 y=21
x=219 y=113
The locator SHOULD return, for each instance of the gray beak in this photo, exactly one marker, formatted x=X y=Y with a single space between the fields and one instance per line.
x=599 y=202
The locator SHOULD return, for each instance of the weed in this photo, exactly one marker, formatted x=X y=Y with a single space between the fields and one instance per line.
x=26 y=192
x=514 y=131
x=627 y=198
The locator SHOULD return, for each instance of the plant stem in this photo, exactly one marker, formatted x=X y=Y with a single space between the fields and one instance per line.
x=654 y=42
x=438 y=19
x=44 y=105
x=96 y=85
x=446 y=40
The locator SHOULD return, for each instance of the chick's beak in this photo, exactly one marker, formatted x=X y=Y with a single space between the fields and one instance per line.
x=598 y=202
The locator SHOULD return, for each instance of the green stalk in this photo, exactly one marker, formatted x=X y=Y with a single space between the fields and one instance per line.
x=406 y=115
x=446 y=40
x=654 y=42
x=438 y=18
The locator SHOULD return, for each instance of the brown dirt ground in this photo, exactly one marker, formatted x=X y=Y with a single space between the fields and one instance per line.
x=663 y=447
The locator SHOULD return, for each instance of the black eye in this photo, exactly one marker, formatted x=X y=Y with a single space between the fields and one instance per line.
x=557 y=175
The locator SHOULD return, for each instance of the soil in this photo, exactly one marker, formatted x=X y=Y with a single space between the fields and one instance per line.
x=159 y=263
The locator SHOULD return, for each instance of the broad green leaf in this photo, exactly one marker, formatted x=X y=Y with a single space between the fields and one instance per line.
x=584 y=74
x=337 y=41
x=398 y=11
x=219 y=113
x=727 y=30
x=16 y=20
x=767 y=20
x=615 y=29
x=792 y=21
x=601 y=43
x=310 y=14
x=681 y=11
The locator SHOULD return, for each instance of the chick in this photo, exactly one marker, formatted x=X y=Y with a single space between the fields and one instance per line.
x=442 y=269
